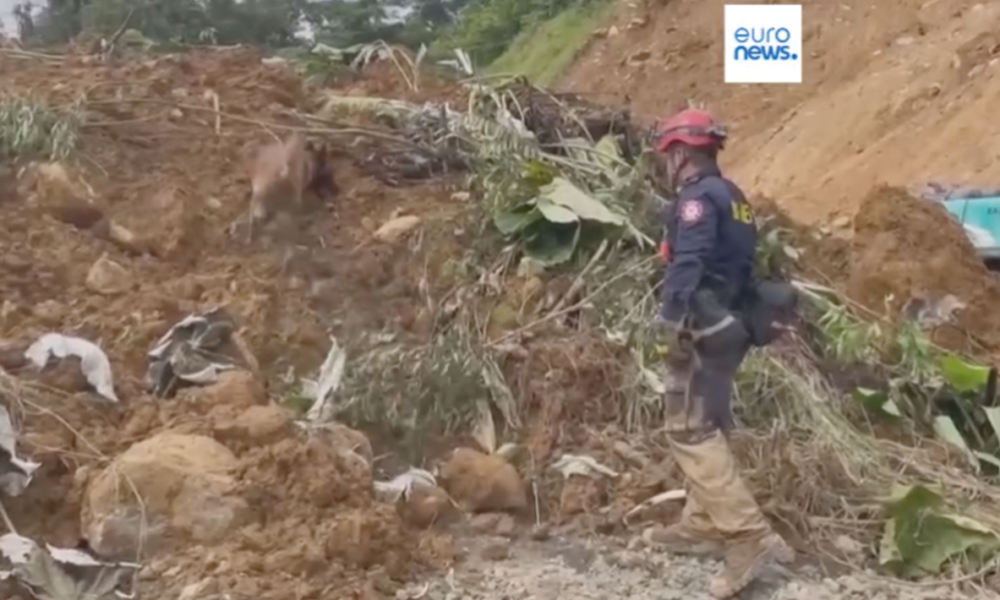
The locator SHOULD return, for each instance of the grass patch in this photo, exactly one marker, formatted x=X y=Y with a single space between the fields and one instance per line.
x=30 y=128
x=544 y=51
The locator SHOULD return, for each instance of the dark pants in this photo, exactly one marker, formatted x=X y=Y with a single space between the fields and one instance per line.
x=700 y=380
x=700 y=385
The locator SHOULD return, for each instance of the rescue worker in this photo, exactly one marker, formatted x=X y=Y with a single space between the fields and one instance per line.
x=710 y=245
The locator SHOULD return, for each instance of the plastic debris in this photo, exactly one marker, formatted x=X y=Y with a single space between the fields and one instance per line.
x=51 y=573
x=575 y=464
x=15 y=473
x=655 y=500
x=401 y=485
x=192 y=351
x=322 y=390
x=94 y=363
x=932 y=312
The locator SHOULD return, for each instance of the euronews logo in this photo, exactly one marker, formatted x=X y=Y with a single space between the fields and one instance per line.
x=763 y=43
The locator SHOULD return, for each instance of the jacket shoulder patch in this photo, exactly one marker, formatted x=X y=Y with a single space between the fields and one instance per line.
x=691 y=211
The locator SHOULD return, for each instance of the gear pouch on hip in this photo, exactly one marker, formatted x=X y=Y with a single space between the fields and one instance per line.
x=769 y=309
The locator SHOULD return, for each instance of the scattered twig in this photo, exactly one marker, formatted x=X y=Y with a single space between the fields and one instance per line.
x=264 y=124
x=109 y=48
x=565 y=311
x=581 y=277
x=32 y=55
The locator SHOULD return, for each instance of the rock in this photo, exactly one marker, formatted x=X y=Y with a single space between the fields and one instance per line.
x=850 y=548
x=345 y=440
x=637 y=22
x=187 y=489
x=639 y=57
x=495 y=549
x=238 y=389
x=506 y=526
x=15 y=264
x=582 y=495
x=396 y=228
x=108 y=277
x=49 y=312
x=481 y=482
x=121 y=236
x=485 y=523
x=256 y=426
x=499 y=524
x=841 y=222
x=168 y=225
x=196 y=591
x=426 y=506
x=541 y=532
x=53 y=189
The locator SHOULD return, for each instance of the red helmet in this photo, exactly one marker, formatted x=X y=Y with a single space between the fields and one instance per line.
x=690 y=126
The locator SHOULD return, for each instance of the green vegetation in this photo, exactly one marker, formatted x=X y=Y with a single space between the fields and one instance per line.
x=543 y=52
x=547 y=32
x=31 y=129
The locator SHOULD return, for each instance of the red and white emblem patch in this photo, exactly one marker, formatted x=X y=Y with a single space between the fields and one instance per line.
x=691 y=211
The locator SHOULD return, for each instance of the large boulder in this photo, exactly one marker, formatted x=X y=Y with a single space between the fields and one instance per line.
x=483 y=482
x=169 y=488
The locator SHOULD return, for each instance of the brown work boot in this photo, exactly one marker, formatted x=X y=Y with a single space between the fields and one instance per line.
x=680 y=539
x=745 y=558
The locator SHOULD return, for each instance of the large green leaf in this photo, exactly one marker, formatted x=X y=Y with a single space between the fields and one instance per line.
x=947 y=431
x=608 y=152
x=555 y=213
x=517 y=220
x=921 y=535
x=551 y=244
x=993 y=416
x=962 y=375
x=877 y=402
x=565 y=194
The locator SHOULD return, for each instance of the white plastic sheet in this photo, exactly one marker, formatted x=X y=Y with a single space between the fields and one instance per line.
x=94 y=362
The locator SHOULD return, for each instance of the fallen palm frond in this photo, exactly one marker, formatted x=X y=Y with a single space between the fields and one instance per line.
x=325 y=63
x=553 y=197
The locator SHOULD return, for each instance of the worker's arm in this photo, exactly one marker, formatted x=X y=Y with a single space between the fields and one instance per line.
x=693 y=243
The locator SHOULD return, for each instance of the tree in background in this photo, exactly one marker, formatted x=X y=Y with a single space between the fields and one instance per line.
x=272 y=23
x=484 y=28
x=411 y=23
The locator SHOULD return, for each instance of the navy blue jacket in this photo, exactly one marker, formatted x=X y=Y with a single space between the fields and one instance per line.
x=712 y=239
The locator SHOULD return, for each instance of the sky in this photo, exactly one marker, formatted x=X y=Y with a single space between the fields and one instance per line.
x=6 y=6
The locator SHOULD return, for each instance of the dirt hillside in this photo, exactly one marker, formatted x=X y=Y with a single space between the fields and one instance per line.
x=118 y=247
x=156 y=166
x=898 y=92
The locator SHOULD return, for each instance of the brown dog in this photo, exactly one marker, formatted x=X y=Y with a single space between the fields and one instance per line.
x=280 y=174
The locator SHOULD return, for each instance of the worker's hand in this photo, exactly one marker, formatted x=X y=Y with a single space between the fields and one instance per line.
x=674 y=343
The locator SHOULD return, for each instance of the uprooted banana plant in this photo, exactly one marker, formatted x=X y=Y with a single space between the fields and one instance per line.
x=553 y=200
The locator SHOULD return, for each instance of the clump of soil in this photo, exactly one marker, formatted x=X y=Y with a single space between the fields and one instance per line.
x=220 y=489
x=904 y=247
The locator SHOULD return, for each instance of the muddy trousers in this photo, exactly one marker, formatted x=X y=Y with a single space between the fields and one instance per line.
x=698 y=414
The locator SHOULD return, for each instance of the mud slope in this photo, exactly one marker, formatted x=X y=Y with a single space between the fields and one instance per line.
x=897 y=92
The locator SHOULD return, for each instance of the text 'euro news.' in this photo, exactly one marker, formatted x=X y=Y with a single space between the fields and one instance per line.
x=763 y=43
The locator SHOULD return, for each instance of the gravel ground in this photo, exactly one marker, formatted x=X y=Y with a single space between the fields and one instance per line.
x=585 y=570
